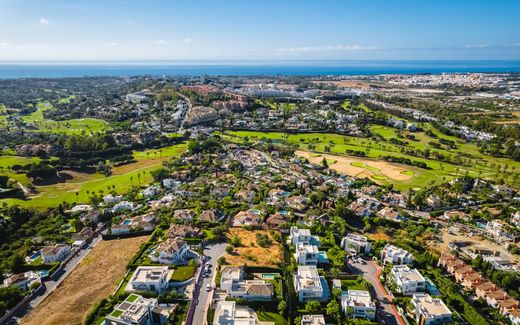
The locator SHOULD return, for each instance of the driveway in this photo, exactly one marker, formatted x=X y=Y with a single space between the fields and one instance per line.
x=203 y=304
x=371 y=272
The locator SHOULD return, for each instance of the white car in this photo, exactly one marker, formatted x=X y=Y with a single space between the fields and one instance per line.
x=208 y=287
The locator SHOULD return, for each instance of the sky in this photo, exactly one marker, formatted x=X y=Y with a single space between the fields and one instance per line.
x=97 y=30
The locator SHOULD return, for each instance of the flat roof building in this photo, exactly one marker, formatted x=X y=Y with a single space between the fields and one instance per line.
x=429 y=311
x=407 y=280
x=309 y=285
x=358 y=304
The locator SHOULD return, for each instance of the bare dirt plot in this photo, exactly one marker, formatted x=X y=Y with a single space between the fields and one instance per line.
x=140 y=164
x=362 y=167
x=508 y=122
x=250 y=252
x=474 y=240
x=93 y=279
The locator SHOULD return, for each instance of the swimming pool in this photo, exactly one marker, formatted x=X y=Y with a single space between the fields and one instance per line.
x=270 y=276
x=127 y=222
x=35 y=255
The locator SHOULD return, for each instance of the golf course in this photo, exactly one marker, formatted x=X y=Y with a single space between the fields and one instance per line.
x=334 y=148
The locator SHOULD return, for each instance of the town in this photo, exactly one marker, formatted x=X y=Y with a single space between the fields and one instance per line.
x=260 y=200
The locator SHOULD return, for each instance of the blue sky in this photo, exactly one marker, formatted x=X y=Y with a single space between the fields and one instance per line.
x=252 y=30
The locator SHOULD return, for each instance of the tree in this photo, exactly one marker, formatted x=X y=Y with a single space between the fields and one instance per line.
x=282 y=307
x=312 y=307
x=235 y=241
x=333 y=310
x=324 y=163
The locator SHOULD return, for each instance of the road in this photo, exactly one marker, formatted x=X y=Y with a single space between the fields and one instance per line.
x=51 y=284
x=213 y=252
x=371 y=272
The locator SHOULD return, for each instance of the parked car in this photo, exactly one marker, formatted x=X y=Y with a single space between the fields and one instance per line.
x=208 y=287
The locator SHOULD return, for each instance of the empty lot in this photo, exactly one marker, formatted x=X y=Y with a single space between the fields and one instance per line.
x=95 y=278
x=250 y=253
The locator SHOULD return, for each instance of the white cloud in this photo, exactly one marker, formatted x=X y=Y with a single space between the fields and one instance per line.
x=160 y=42
x=186 y=40
x=513 y=44
x=4 y=43
x=329 y=48
x=44 y=21
x=111 y=44
x=477 y=46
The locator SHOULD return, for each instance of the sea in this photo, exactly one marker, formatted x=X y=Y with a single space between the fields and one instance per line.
x=16 y=70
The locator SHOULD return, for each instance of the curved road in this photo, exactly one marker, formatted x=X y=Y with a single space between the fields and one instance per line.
x=371 y=272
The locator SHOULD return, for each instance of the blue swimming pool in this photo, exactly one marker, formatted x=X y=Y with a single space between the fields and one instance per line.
x=127 y=222
x=35 y=256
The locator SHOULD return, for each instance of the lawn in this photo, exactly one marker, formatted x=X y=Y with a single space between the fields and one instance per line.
x=355 y=284
x=271 y=317
x=480 y=165
x=183 y=273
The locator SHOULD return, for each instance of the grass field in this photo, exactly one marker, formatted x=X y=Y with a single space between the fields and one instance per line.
x=81 y=185
x=92 y=280
x=75 y=126
x=480 y=166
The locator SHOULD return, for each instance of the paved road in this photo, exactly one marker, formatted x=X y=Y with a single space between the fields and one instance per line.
x=213 y=252
x=371 y=272
x=51 y=284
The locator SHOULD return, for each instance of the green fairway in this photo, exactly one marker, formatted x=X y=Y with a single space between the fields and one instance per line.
x=480 y=165
x=83 y=185
x=75 y=126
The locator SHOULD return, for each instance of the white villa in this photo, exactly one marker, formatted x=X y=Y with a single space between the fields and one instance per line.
x=138 y=310
x=232 y=281
x=309 y=255
x=358 y=304
x=309 y=285
x=122 y=206
x=407 y=280
x=395 y=255
x=22 y=280
x=429 y=311
x=356 y=244
x=112 y=199
x=56 y=253
x=302 y=236
x=171 y=251
x=228 y=313
x=150 y=278
x=313 y=320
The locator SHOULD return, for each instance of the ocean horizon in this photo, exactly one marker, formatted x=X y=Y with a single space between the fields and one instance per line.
x=70 y=69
